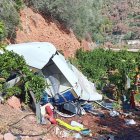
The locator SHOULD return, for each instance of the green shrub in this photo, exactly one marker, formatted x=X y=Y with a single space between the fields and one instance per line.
x=18 y=4
x=84 y=17
x=10 y=63
x=128 y=36
x=9 y=16
x=98 y=64
x=2 y=31
x=134 y=24
x=12 y=91
x=90 y=17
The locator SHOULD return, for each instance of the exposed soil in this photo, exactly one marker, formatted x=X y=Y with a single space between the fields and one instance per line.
x=35 y=28
x=24 y=123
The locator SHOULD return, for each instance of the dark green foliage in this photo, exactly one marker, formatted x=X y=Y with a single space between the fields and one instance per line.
x=9 y=16
x=2 y=31
x=134 y=24
x=128 y=36
x=12 y=91
x=99 y=63
x=87 y=63
x=36 y=85
x=18 y=4
x=11 y=62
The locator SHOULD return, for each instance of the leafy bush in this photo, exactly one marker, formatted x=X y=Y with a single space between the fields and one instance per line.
x=11 y=63
x=99 y=63
x=2 y=31
x=12 y=91
x=128 y=36
x=9 y=16
x=18 y=4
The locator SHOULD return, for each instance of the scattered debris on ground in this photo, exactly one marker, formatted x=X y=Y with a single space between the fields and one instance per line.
x=70 y=106
x=14 y=123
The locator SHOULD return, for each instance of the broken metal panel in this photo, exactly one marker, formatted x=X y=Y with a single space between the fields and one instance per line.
x=36 y=54
x=67 y=72
x=12 y=82
x=88 y=88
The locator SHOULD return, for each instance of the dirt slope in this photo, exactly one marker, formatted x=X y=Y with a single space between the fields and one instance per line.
x=35 y=28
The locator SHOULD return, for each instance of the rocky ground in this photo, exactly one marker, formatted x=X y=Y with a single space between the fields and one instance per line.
x=20 y=124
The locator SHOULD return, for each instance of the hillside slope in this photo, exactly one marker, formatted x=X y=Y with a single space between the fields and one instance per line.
x=35 y=28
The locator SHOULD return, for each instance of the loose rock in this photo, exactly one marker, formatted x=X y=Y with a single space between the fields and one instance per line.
x=14 y=102
x=1 y=137
x=9 y=136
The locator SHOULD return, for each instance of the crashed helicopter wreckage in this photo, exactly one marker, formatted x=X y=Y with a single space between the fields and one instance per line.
x=67 y=84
